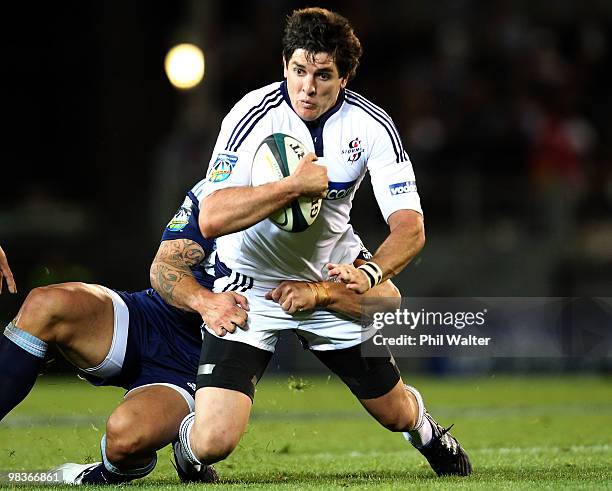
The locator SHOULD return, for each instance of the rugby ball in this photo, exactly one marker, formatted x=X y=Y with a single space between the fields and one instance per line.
x=277 y=157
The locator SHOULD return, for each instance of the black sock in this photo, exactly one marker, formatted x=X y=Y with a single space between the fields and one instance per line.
x=21 y=356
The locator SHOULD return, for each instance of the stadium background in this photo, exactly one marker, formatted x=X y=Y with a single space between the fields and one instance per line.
x=504 y=108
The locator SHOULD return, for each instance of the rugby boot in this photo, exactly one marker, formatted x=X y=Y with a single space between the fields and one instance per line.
x=188 y=472
x=444 y=453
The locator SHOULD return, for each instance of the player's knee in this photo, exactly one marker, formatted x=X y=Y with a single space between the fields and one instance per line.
x=123 y=436
x=42 y=311
x=211 y=445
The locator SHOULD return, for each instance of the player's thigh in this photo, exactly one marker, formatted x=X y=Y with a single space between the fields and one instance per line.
x=77 y=317
x=147 y=419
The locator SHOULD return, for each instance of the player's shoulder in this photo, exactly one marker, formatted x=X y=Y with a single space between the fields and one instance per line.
x=366 y=110
x=246 y=113
x=377 y=122
x=257 y=100
x=197 y=191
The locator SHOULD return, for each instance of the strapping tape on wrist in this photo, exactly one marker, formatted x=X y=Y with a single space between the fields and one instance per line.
x=372 y=272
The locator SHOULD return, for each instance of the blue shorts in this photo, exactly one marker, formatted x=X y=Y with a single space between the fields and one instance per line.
x=153 y=344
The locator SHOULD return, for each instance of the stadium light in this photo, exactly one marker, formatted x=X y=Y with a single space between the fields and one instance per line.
x=184 y=65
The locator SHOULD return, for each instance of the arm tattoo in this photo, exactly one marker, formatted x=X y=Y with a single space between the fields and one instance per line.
x=172 y=263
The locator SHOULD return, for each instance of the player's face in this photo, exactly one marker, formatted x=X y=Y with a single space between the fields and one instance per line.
x=313 y=86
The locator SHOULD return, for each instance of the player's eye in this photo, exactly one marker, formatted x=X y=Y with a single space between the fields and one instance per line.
x=299 y=71
x=324 y=76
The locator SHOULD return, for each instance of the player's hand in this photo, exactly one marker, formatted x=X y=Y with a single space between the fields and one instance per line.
x=5 y=272
x=354 y=278
x=225 y=312
x=293 y=296
x=310 y=178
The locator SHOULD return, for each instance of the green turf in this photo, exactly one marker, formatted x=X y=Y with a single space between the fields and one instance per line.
x=522 y=433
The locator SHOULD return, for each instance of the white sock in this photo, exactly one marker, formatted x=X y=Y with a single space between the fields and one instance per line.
x=422 y=433
x=185 y=446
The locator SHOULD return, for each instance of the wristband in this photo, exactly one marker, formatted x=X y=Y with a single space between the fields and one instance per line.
x=321 y=293
x=373 y=273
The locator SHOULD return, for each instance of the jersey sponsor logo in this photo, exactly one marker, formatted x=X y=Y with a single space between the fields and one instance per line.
x=222 y=168
x=339 y=190
x=402 y=188
x=354 y=151
x=181 y=219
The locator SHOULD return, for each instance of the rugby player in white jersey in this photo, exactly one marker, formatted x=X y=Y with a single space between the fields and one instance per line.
x=350 y=135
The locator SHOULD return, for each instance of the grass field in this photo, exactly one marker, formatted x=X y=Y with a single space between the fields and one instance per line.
x=521 y=433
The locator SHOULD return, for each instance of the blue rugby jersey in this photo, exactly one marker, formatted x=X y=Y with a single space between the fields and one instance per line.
x=176 y=327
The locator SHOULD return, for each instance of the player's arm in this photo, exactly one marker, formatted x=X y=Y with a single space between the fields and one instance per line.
x=232 y=209
x=171 y=274
x=5 y=272
x=404 y=242
x=172 y=278
x=297 y=296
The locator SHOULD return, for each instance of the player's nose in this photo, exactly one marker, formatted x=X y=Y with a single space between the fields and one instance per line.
x=309 y=86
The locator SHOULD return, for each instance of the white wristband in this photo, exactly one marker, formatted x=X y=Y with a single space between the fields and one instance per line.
x=372 y=272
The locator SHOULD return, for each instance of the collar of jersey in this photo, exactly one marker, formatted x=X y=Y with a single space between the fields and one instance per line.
x=321 y=120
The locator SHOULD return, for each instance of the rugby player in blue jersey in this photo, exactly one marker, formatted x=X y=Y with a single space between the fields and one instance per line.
x=148 y=342
x=145 y=342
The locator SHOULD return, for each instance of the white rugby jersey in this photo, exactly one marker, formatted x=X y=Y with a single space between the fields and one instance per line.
x=353 y=137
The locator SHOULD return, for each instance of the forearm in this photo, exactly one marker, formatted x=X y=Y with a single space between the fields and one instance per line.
x=233 y=209
x=171 y=275
x=405 y=241
x=356 y=305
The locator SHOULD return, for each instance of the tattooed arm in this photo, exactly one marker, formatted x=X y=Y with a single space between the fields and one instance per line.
x=172 y=267
x=172 y=278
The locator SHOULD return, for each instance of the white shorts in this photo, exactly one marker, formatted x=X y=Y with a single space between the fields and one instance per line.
x=318 y=329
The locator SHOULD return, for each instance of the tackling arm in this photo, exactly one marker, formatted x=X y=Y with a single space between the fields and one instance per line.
x=171 y=275
x=172 y=278
x=297 y=296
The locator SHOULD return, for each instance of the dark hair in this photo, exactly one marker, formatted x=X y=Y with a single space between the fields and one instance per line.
x=318 y=30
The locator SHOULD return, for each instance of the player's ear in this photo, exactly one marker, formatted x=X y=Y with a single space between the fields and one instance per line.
x=343 y=82
x=285 y=68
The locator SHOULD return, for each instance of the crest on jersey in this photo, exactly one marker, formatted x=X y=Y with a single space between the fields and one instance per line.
x=354 y=151
x=181 y=219
x=222 y=168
